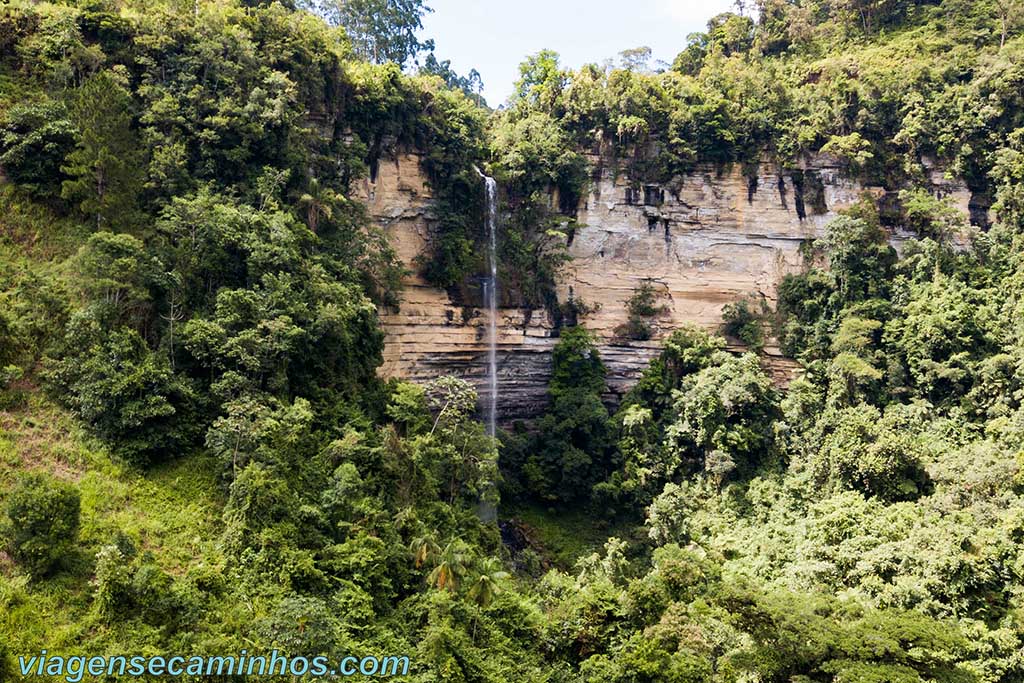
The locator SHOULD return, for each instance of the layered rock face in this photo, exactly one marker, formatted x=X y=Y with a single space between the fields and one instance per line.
x=708 y=239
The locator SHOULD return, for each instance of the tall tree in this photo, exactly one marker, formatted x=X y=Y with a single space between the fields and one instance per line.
x=380 y=30
x=104 y=167
x=471 y=84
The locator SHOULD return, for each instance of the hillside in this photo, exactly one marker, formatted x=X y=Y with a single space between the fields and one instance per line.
x=213 y=439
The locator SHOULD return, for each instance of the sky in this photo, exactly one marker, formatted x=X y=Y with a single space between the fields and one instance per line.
x=493 y=36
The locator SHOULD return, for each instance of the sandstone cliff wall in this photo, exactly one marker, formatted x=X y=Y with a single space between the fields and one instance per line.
x=705 y=240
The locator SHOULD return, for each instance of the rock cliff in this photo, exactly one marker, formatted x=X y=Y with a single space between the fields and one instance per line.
x=702 y=241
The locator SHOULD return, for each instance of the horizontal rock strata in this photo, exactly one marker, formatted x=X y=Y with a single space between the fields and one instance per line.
x=706 y=240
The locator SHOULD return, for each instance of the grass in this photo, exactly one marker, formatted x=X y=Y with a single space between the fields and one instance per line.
x=36 y=231
x=173 y=511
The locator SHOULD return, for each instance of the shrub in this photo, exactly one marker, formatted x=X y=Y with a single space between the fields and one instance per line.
x=6 y=669
x=113 y=582
x=743 y=323
x=43 y=516
x=642 y=308
x=129 y=585
x=301 y=626
x=11 y=396
x=127 y=394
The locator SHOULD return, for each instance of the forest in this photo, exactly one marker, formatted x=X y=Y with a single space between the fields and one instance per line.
x=198 y=454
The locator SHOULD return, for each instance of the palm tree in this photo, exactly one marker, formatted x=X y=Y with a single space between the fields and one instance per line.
x=488 y=582
x=424 y=548
x=451 y=566
x=319 y=203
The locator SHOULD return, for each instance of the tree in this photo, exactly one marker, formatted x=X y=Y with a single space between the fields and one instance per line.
x=649 y=411
x=457 y=450
x=471 y=84
x=743 y=323
x=452 y=562
x=541 y=80
x=860 y=257
x=854 y=371
x=724 y=415
x=261 y=431
x=572 y=448
x=104 y=167
x=118 y=277
x=380 y=30
x=1011 y=14
x=731 y=33
x=35 y=137
x=43 y=518
x=946 y=326
x=301 y=626
x=642 y=308
x=576 y=364
x=636 y=59
x=407 y=407
x=126 y=393
x=487 y=583
x=424 y=549
x=866 y=451
x=318 y=203
x=453 y=401
x=930 y=216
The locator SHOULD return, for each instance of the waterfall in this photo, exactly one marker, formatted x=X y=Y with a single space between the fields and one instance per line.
x=491 y=296
x=487 y=508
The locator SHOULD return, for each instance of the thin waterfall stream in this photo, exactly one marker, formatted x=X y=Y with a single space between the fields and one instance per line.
x=491 y=297
x=487 y=508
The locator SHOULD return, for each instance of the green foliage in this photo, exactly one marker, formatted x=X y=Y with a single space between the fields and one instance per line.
x=379 y=30
x=266 y=433
x=103 y=169
x=695 y=409
x=462 y=456
x=859 y=256
x=571 y=451
x=126 y=393
x=407 y=407
x=300 y=626
x=542 y=176
x=534 y=155
x=35 y=138
x=6 y=663
x=945 y=327
x=930 y=216
x=42 y=523
x=455 y=134
x=471 y=84
x=740 y=322
x=209 y=291
x=575 y=364
x=724 y=414
x=852 y=149
x=861 y=450
x=129 y=585
x=641 y=308
x=1008 y=176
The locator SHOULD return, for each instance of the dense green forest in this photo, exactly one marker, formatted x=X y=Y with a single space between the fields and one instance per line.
x=197 y=454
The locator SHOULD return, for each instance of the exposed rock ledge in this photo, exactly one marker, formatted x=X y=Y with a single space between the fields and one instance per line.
x=714 y=239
